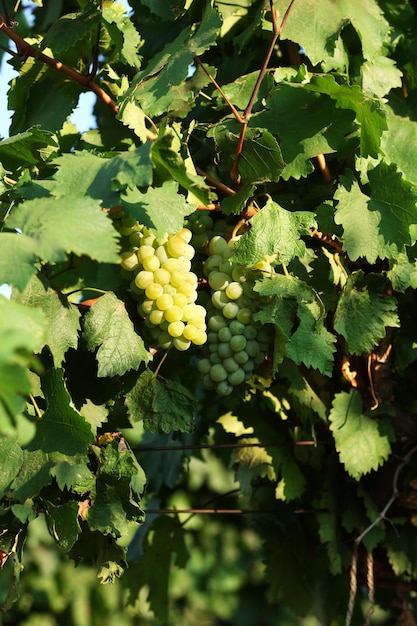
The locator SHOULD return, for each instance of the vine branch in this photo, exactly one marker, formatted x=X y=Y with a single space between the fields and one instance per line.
x=27 y=50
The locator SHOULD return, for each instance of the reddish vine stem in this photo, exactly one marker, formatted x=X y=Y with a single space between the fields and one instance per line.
x=221 y=187
x=277 y=30
x=26 y=49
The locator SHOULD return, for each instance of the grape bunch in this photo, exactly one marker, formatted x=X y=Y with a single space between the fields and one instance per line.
x=237 y=344
x=165 y=287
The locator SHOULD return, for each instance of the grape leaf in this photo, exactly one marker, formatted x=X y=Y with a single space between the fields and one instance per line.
x=62 y=318
x=369 y=112
x=12 y=458
x=403 y=273
x=17 y=259
x=321 y=129
x=237 y=202
x=28 y=148
x=172 y=165
x=170 y=66
x=363 y=443
x=61 y=428
x=401 y=133
x=62 y=523
x=120 y=483
x=165 y=9
x=316 y=26
x=33 y=476
x=379 y=76
x=123 y=34
x=364 y=311
x=261 y=158
x=160 y=208
x=73 y=474
x=274 y=230
x=83 y=173
x=55 y=227
x=68 y=30
x=252 y=462
x=108 y=327
x=313 y=345
x=163 y=405
x=385 y=217
x=21 y=329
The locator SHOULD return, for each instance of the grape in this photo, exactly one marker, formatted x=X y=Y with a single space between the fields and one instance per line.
x=153 y=291
x=218 y=280
x=218 y=373
x=164 y=285
x=234 y=290
x=173 y=314
x=236 y=343
x=129 y=261
x=237 y=377
x=230 y=310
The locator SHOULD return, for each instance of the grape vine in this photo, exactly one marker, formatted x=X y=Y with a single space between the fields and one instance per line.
x=208 y=354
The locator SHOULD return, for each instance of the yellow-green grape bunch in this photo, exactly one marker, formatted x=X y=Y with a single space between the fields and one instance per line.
x=165 y=287
x=237 y=344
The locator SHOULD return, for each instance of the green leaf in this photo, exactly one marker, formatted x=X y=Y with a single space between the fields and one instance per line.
x=363 y=443
x=385 y=218
x=379 y=76
x=21 y=329
x=170 y=66
x=321 y=129
x=120 y=484
x=67 y=31
x=73 y=474
x=28 y=148
x=403 y=273
x=83 y=173
x=61 y=428
x=12 y=459
x=62 y=318
x=161 y=208
x=55 y=228
x=369 y=112
x=252 y=463
x=401 y=133
x=313 y=345
x=364 y=311
x=274 y=230
x=163 y=405
x=33 y=475
x=123 y=33
x=108 y=327
x=17 y=259
x=62 y=522
x=165 y=9
x=172 y=165
x=316 y=26
x=261 y=158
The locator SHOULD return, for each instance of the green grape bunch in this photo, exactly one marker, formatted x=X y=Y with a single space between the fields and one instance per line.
x=237 y=344
x=164 y=286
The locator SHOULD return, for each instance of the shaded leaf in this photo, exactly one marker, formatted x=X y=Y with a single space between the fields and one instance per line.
x=364 y=311
x=163 y=405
